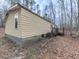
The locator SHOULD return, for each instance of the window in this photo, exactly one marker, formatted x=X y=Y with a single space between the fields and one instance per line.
x=16 y=20
x=16 y=23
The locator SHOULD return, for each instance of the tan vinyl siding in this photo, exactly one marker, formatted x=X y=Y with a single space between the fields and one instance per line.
x=10 y=25
x=32 y=25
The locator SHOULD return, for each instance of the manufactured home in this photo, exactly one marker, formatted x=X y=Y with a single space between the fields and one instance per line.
x=22 y=24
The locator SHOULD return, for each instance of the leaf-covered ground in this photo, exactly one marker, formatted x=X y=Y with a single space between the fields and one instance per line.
x=64 y=47
x=54 y=48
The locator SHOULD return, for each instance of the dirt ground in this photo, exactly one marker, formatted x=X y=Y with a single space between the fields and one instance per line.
x=63 y=47
x=2 y=31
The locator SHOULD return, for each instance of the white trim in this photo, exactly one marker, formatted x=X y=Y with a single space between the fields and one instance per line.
x=13 y=7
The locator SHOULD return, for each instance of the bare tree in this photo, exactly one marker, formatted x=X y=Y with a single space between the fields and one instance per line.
x=71 y=17
x=63 y=14
x=38 y=11
x=78 y=15
x=52 y=12
x=31 y=3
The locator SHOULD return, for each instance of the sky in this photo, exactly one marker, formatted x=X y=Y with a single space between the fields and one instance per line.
x=2 y=3
x=38 y=1
x=41 y=2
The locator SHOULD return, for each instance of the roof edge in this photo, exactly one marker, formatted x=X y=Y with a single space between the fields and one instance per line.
x=17 y=4
x=35 y=13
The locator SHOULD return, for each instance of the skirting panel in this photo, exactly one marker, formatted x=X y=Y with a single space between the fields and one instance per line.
x=23 y=41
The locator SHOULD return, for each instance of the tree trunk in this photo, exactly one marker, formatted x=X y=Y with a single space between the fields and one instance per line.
x=71 y=18
x=78 y=16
